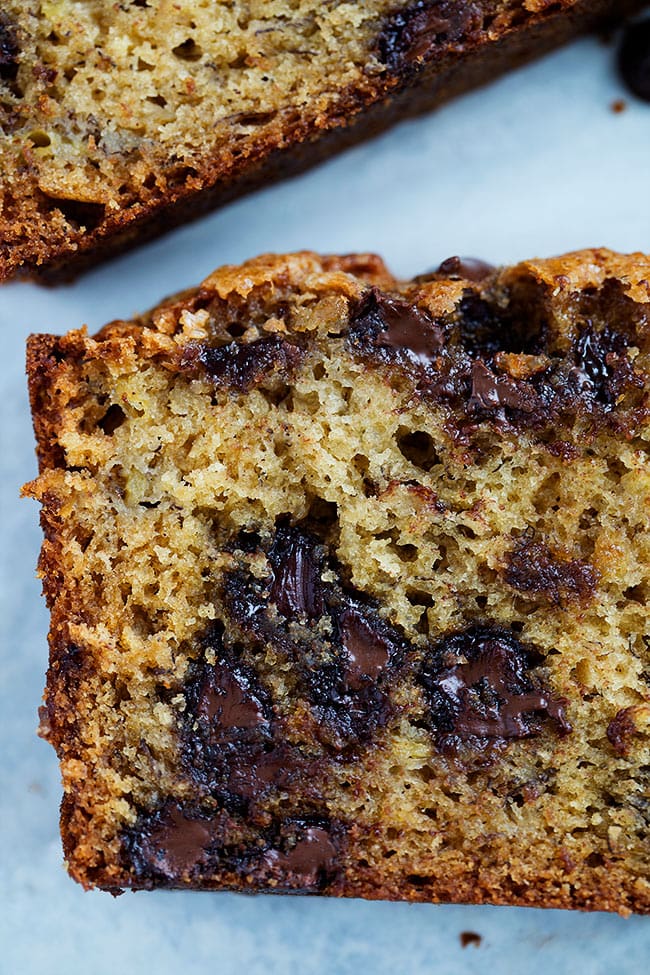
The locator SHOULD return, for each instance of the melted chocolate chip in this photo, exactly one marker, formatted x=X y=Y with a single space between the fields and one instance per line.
x=296 y=588
x=337 y=666
x=465 y=268
x=9 y=49
x=226 y=702
x=368 y=651
x=532 y=568
x=253 y=774
x=228 y=732
x=478 y=689
x=480 y=329
x=634 y=58
x=309 y=863
x=491 y=393
x=620 y=729
x=602 y=368
x=171 y=844
x=459 y=362
x=412 y=34
x=395 y=326
x=240 y=366
x=345 y=716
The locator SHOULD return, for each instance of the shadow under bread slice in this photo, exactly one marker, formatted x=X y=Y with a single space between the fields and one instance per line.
x=349 y=583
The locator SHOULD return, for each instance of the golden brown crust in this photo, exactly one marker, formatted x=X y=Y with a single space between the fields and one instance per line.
x=176 y=472
x=54 y=237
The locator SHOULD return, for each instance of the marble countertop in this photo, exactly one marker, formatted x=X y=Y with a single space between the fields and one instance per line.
x=536 y=164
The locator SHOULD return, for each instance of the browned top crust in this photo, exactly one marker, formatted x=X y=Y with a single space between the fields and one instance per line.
x=348 y=580
x=120 y=124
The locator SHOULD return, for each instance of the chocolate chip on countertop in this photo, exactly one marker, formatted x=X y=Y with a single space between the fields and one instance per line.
x=634 y=58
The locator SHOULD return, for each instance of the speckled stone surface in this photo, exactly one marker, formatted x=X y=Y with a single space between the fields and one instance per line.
x=535 y=165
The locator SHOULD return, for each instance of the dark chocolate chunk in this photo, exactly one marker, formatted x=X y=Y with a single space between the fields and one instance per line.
x=459 y=361
x=246 y=600
x=481 y=329
x=308 y=863
x=396 y=326
x=337 y=667
x=490 y=392
x=296 y=588
x=478 y=688
x=170 y=844
x=225 y=701
x=348 y=710
x=411 y=34
x=368 y=651
x=242 y=366
x=253 y=773
x=9 y=49
x=532 y=568
x=620 y=729
x=602 y=368
x=470 y=938
x=348 y=692
x=228 y=732
x=634 y=58
x=467 y=268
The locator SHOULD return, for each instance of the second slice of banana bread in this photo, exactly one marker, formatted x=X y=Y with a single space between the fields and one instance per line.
x=119 y=119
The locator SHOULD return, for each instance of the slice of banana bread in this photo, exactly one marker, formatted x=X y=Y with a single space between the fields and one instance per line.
x=349 y=583
x=120 y=119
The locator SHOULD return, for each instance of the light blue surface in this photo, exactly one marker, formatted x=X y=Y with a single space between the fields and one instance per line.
x=536 y=164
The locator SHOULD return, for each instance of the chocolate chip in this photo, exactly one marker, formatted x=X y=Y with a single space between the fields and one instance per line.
x=346 y=716
x=483 y=330
x=308 y=863
x=239 y=366
x=9 y=49
x=226 y=701
x=338 y=665
x=490 y=393
x=368 y=651
x=457 y=361
x=478 y=688
x=620 y=729
x=467 y=268
x=170 y=844
x=634 y=58
x=394 y=325
x=254 y=773
x=413 y=33
x=228 y=731
x=532 y=568
x=602 y=368
x=296 y=588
